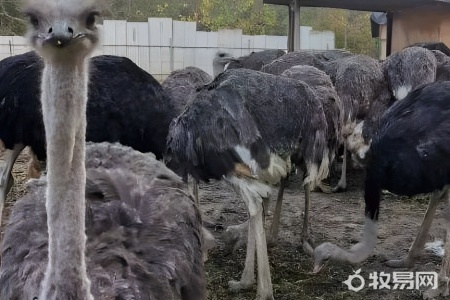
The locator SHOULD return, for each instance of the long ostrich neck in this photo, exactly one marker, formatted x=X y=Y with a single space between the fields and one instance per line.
x=64 y=97
x=360 y=251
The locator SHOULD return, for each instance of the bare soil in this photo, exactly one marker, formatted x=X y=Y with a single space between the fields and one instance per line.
x=337 y=218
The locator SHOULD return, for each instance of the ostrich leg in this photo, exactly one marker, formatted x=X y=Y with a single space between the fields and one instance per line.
x=6 y=178
x=444 y=273
x=253 y=192
x=308 y=245
x=274 y=228
x=419 y=242
x=342 y=184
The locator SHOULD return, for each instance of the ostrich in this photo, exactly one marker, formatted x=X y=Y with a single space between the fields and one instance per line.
x=331 y=55
x=321 y=83
x=221 y=61
x=244 y=127
x=407 y=69
x=256 y=60
x=143 y=229
x=182 y=84
x=118 y=89
x=324 y=91
x=409 y=156
x=443 y=66
x=359 y=82
x=291 y=59
x=433 y=46
x=404 y=71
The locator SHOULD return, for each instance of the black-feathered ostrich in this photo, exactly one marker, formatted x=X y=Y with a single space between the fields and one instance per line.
x=281 y=64
x=245 y=127
x=141 y=238
x=359 y=82
x=126 y=105
x=409 y=156
x=256 y=60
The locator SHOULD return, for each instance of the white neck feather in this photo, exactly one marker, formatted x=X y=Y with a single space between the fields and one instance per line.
x=64 y=97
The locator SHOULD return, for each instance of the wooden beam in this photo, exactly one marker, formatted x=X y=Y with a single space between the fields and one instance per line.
x=294 y=26
x=365 y=5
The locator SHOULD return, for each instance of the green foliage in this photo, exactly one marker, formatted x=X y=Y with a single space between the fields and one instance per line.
x=11 y=19
x=351 y=28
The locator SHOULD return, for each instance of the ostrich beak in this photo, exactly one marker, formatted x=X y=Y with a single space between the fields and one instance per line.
x=60 y=35
x=317 y=268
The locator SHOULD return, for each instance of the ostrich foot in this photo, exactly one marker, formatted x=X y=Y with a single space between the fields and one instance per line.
x=237 y=286
x=340 y=187
x=324 y=188
x=405 y=262
x=235 y=237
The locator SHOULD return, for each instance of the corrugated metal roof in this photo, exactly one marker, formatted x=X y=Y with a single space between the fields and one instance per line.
x=366 y=5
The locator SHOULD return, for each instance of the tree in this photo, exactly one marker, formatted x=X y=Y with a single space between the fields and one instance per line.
x=351 y=28
x=11 y=22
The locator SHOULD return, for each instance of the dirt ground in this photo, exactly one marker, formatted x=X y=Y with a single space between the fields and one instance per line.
x=337 y=218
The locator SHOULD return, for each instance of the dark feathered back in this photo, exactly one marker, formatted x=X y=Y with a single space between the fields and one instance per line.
x=20 y=107
x=126 y=104
x=433 y=46
x=321 y=83
x=143 y=229
x=259 y=111
x=182 y=84
x=291 y=59
x=330 y=55
x=256 y=60
x=410 y=154
x=443 y=66
x=358 y=80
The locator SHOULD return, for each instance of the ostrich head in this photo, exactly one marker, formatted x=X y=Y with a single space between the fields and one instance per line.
x=59 y=29
x=322 y=255
x=220 y=62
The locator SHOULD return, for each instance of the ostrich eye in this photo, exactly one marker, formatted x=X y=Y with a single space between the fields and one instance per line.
x=221 y=54
x=90 y=19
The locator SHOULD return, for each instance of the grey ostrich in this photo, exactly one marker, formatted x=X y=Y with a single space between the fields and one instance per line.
x=182 y=84
x=302 y=57
x=246 y=126
x=331 y=55
x=409 y=156
x=221 y=61
x=443 y=66
x=324 y=90
x=143 y=233
x=359 y=82
x=404 y=71
x=256 y=60
x=408 y=69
